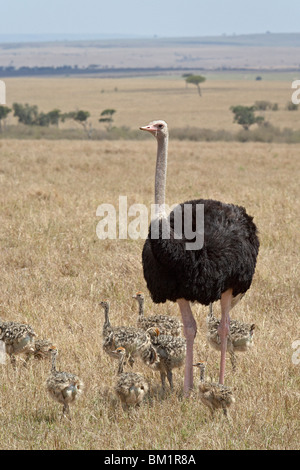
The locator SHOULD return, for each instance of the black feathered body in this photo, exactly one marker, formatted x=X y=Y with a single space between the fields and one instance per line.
x=226 y=260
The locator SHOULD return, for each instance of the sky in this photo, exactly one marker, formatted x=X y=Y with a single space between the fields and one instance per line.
x=164 y=18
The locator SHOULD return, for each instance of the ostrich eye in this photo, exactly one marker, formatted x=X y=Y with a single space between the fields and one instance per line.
x=160 y=126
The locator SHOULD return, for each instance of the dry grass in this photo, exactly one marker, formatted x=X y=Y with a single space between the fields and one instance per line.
x=54 y=270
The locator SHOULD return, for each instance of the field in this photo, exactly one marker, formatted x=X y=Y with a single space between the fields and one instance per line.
x=140 y=100
x=54 y=270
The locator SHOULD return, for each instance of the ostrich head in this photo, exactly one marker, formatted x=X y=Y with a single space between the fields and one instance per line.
x=157 y=128
x=119 y=352
x=53 y=350
x=201 y=366
x=104 y=303
x=138 y=296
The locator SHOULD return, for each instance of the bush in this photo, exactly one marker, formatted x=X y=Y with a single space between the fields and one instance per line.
x=265 y=106
x=291 y=106
x=244 y=115
x=26 y=114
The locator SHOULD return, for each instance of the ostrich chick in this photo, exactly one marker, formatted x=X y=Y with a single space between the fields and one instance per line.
x=17 y=337
x=214 y=395
x=170 y=353
x=240 y=338
x=166 y=324
x=131 y=388
x=136 y=342
x=63 y=387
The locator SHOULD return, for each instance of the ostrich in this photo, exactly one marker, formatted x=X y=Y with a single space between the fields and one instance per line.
x=63 y=387
x=214 y=395
x=222 y=268
x=240 y=338
x=135 y=341
x=18 y=339
x=166 y=324
x=131 y=388
x=170 y=351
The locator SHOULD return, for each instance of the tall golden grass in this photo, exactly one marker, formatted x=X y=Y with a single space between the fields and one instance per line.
x=54 y=271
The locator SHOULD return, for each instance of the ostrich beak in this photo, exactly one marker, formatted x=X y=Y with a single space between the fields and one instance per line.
x=151 y=129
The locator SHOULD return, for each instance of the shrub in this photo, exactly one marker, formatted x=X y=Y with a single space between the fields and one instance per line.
x=291 y=106
x=244 y=115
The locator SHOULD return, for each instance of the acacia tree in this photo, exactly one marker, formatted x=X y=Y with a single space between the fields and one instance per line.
x=195 y=80
x=54 y=116
x=4 y=111
x=107 y=116
x=82 y=118
x=244 y=115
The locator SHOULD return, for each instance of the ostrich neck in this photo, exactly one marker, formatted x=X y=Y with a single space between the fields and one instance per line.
x=121 y=364
x=160 y=176
x=141 y=309
x=53 y=367
x=202 y=374
x=106 y=321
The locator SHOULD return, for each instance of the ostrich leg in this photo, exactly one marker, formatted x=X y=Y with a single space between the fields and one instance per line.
x=190 y=330
x=223 y=329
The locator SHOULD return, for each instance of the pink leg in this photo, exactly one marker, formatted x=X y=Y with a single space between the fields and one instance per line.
x=223 y=330
x=190 y=330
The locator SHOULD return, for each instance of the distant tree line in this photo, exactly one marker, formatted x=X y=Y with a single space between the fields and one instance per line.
x=11 y=71
x=30 y=115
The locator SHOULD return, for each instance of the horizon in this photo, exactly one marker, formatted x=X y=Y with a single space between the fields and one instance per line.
x=57 y=37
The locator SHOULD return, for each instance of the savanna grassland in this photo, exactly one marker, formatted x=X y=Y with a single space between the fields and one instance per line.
x=139 y=100
x=54 y=270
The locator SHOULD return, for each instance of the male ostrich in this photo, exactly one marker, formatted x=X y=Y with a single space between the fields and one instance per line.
x=222 y=269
